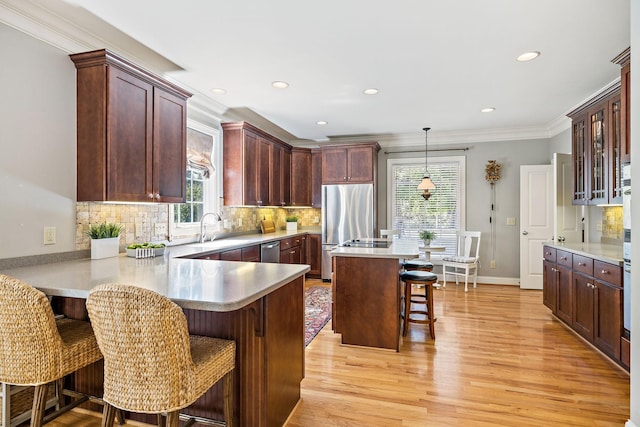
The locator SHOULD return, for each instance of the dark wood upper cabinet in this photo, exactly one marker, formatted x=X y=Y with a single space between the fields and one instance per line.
x=316 y=178
x=301 y=177
x=596 y=149
x=131 y=132
x=280 y=176
x=624 y=60
x=256 y=167
x=350 y=164
x=615 y=151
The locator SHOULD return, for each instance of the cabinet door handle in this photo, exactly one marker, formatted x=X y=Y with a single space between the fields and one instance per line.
x=150 y=196
x=157 y=196
x=581 y=264
x=604 y=272
x=564 y=258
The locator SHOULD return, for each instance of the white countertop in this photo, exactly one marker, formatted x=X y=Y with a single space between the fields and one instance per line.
x=600 y=251
x=197 y=284
x=401 y=249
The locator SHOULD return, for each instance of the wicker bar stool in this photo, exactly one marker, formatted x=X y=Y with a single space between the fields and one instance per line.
x=151 y=363
x=36 y=349
x=419 y=278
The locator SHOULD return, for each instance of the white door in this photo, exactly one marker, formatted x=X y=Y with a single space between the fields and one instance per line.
x=568 y=218
x=536 y=221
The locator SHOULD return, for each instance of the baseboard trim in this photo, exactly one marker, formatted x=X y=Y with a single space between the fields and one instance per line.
x=487 y=280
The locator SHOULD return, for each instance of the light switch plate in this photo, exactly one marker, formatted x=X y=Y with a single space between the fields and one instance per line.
x=511 y=221
x=49 y=235
x=160 y=229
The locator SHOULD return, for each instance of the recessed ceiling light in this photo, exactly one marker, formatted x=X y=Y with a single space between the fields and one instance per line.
x=322 y=122
x=488 y=110
x=370 y=91
x=280 y=85
x=218 y=91
x=528 y=56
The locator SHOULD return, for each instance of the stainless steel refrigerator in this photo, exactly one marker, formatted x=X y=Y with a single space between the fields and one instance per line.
x=348 y=212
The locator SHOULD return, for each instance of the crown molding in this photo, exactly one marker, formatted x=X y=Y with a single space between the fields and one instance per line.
x=45 y=21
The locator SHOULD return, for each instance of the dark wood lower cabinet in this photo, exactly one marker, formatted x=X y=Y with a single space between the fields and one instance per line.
x=269 y=357
x=564 y=308
x=314 y=254
x=583 y=294
x=607 y=315
x=587 y=295
x=550 y=287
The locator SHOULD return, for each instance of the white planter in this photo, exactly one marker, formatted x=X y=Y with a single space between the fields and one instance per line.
x=292 y=226
x=104 y=248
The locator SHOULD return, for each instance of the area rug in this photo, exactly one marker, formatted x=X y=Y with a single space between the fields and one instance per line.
x=317 y=311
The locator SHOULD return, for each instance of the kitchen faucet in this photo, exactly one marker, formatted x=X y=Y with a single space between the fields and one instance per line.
x=202 y=231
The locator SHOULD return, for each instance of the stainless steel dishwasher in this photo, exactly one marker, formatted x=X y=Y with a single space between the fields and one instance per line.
x=270 y=252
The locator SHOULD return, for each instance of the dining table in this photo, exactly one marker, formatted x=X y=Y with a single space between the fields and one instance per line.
x=431 y=248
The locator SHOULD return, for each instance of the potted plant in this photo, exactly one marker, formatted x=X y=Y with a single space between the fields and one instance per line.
x=104 y=239
x=292 y=223
x=427 y=236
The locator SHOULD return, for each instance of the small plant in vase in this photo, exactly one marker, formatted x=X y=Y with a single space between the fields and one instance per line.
x=292 y=223
x=427 y=236
x=105 y=238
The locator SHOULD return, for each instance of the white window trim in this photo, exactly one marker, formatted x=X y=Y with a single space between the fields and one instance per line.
x=213 y=187
x=430 y=160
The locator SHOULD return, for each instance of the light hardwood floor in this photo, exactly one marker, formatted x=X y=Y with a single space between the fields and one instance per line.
x=500 y=359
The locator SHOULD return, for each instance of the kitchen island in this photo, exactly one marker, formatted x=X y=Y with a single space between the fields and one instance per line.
x=259 y=306
x=367 y=293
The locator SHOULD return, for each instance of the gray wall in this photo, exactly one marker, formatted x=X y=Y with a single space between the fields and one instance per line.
x=37 y=146
x=511 y=155
x=561 y=143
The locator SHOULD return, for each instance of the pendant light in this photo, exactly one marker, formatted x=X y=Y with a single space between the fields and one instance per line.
x=426 y=183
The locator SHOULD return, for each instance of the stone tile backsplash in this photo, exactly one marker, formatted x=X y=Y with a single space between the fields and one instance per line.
x=140 y=220
x=612 y=223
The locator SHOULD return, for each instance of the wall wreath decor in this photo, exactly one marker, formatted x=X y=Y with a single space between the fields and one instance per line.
x=492 y=174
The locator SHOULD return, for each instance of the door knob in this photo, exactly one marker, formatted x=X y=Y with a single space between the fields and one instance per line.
x=524 y=233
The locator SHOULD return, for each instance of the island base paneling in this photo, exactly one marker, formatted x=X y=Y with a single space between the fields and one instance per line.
x=269 y=336
x=367 y=301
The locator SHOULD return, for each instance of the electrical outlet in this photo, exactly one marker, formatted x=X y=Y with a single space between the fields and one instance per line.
x=49 y=235
x=492 y=263
x=138 y=230
x=239 y=222
x=598 y=226
x=160 y=229
x=317 y=220
x=225 y=223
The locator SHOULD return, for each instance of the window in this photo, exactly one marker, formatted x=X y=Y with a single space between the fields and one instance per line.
x=442 y=213
x=193 y=208
x=202 y=177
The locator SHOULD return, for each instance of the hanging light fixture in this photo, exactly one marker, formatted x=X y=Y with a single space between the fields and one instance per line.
x=426 y=183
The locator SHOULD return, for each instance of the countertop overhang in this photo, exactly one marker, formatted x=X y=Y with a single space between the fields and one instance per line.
x=401 y=249
x=191 y=283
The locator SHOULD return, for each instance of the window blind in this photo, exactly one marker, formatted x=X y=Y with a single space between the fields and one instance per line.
x=442 y=213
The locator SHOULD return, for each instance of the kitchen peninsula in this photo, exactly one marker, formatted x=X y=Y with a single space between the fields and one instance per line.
x=366 y=292
x=259 y=305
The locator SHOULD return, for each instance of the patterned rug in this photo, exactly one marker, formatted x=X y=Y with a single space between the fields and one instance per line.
x=317 y=311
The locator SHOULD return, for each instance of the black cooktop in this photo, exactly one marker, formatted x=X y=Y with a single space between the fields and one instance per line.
x=358 y=243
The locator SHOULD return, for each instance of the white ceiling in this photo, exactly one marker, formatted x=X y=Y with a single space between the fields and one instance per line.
x=435 y=62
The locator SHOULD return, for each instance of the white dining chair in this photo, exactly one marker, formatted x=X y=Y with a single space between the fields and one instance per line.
x=466 y=259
